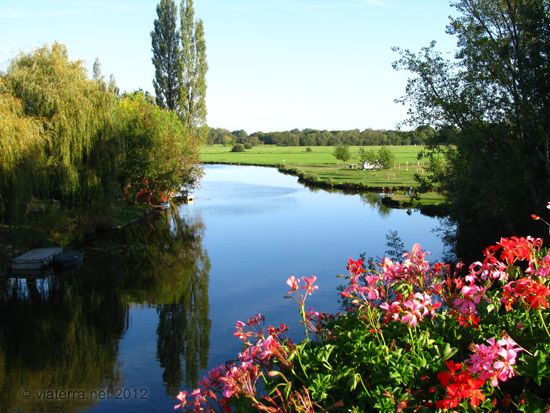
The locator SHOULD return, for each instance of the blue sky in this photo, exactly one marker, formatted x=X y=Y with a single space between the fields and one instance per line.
x=274 y=64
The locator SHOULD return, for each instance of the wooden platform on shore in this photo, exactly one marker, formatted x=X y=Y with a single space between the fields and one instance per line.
x=35 y=259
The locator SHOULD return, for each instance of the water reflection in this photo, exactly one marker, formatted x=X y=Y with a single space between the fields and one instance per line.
x=63 y=332
x=184 y=327
x=374 y=200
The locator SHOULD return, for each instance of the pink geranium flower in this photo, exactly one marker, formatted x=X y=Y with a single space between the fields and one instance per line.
x=309 y=284
x=414 y=312
x=292 y=283
x=181 y=397
x=494 y=362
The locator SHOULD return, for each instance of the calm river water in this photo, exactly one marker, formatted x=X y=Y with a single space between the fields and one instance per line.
x=154 y=307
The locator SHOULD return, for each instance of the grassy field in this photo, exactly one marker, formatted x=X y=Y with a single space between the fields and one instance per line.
x=321 y=163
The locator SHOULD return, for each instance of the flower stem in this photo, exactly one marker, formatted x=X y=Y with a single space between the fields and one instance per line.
x=364 y=387
x=375 y=325
x=301 y=365
x=413 y=347
x=304 y=320
x=544 y=323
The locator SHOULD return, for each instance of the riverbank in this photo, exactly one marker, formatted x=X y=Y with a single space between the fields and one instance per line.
x=317 y=167
x=49 y=226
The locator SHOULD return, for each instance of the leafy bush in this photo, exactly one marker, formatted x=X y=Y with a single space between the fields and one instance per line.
x=248 y=146
x=160 y=154
x=238 y=147
x=417 y=336
x=383 y=159
x=342 y=153
x=386 y=157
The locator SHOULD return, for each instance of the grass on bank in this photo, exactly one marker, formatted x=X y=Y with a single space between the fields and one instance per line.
x=319 y=162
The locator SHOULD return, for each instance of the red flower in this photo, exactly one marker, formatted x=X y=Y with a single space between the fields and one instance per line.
x=447 y=403
x=467 y=320
x=355 y=267
x=459 y=386
x=470 y=389
x=513 y=249
x=527 y=290
x=444 y=378
x=537 y=296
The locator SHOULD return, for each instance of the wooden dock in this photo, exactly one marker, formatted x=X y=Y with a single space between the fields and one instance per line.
x=35 y=259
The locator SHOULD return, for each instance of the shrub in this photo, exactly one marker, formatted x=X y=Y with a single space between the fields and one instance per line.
x=238 y=147
x=416 y=336
x=248 y=146
x=386 y=157
x=342 y=153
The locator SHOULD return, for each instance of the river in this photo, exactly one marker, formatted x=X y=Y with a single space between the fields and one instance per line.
x=154 y=307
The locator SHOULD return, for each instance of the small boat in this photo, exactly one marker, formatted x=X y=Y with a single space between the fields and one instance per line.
x=161 y=206
x=68 y=259
x=187 y=199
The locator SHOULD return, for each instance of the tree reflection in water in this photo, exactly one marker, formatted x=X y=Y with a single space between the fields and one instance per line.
x=184 y=327
x=374 y=200
x=63 y=331
x=54 y=335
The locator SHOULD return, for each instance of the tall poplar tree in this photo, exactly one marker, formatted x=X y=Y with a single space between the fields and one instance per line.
x=96 y=70
x=193 y=71
x=165 y=41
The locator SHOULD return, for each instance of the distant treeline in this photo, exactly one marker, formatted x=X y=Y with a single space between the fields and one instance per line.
x=313 y=137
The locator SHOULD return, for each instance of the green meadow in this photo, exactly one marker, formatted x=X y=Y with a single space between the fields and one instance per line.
x=297 y=155
x=320 y=163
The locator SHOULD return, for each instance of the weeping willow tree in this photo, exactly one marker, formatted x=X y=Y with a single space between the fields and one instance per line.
x=71 y=114
x=21 y=156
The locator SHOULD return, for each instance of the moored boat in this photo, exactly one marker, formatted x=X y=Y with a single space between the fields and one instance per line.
x=161 y=206
x=68 y=259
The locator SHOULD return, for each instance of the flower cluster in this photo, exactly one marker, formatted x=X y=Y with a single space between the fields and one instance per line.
x=416 y=335
x=513 y=249
x=528 y=291
x=239 y=378
x=459 y=384
x=410 y=311
x=495 y=361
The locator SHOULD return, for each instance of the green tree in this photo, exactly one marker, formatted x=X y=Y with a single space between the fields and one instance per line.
x=165 y=42
x=193 y=68
x=240 y=135
x=22 y=157
x=238 y=147
x=386 y=158
x=74 y=116
x=368 y=155
x=96 y=70
x=342 y=153
x=495 y=93
x=161 y=154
